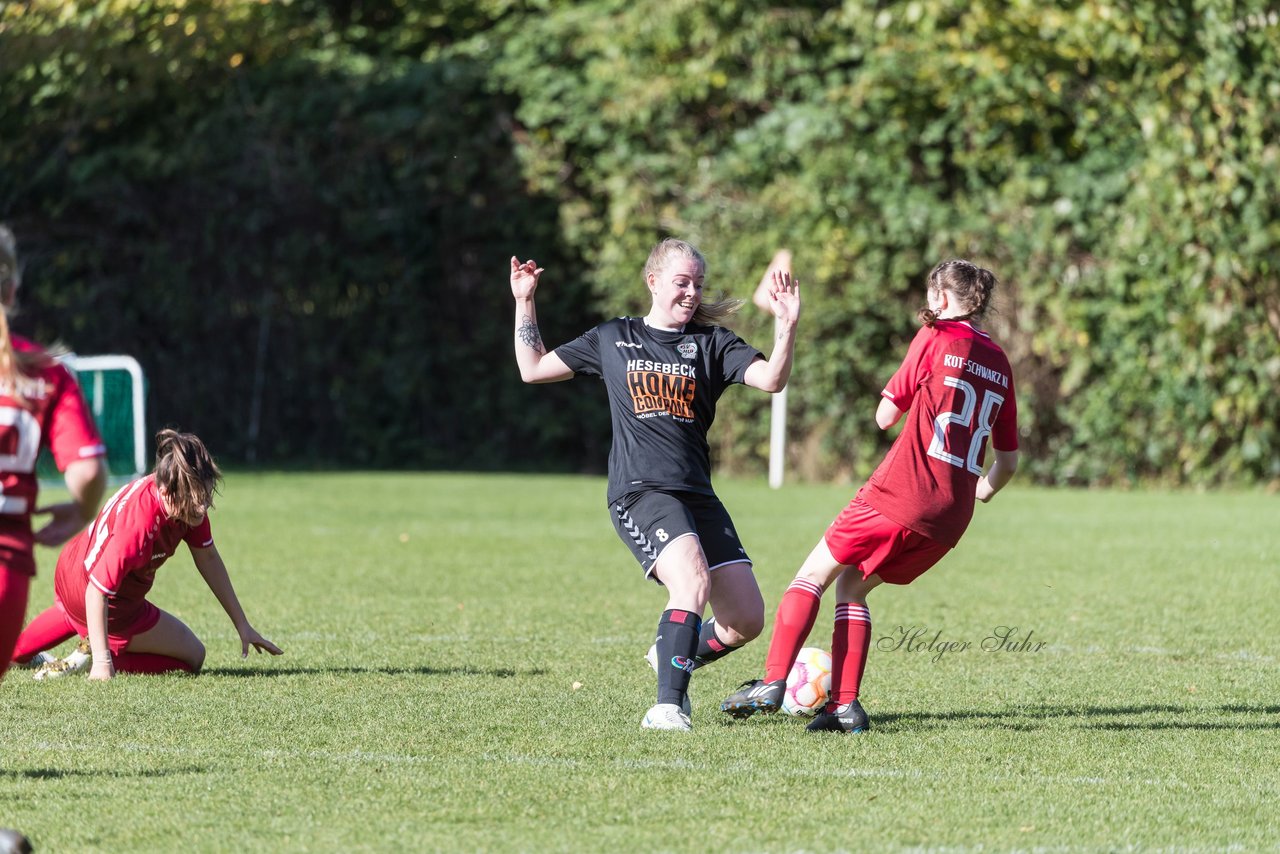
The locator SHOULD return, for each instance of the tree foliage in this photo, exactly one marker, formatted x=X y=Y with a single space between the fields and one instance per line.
x=1110 y=162
x=298 y=214
x=303 y=246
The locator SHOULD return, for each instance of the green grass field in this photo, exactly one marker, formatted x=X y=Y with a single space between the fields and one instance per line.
x=464 y=671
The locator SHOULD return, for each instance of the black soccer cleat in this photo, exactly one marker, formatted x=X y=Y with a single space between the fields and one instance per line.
x=755 y=695
x=848 y=718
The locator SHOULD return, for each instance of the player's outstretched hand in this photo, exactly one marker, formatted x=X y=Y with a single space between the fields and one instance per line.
x=784 y=296
x=65 y=522
x=250 y=638
x=524 y=277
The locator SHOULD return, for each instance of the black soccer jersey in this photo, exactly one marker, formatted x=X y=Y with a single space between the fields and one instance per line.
x=662 y=387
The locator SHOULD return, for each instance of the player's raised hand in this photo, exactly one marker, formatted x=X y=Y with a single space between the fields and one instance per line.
x=524 y=277
x=784 y=296
x=66 y=520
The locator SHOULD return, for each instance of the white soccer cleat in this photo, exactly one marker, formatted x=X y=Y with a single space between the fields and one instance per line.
x=77 y=661
x=666 y=716
x=652 y=657
x=38 y=660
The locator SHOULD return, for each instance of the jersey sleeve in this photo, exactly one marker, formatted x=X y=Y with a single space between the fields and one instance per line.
x=736 y=355
x=201 y=536
x=582 y=354
x=912 y=373
x=72 y=433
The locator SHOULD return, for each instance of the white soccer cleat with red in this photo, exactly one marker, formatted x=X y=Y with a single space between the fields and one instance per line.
x=666 y=716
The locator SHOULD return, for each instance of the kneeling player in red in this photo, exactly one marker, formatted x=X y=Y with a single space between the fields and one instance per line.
x=956 y=388
x=105 y=573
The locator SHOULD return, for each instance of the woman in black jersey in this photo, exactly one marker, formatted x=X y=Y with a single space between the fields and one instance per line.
x=663 y=374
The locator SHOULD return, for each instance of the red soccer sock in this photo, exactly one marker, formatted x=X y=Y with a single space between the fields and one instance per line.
x=46 y=631
x=796 y=614
x=850 y=642
x=148 y=662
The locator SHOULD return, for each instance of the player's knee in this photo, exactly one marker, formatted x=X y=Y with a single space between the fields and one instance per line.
x=696 y=591
x=196 y=657
x=702 y=584
x=750 y=627
x=744 y=629
x=737 y=626
x=820 y=576
x=687 y=582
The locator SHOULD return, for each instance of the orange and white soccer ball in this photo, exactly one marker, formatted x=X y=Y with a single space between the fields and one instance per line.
x=808 y=683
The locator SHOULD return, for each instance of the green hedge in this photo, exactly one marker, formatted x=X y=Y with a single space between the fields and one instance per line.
x=298 y=215
x=1114 y=166
x=304 y=247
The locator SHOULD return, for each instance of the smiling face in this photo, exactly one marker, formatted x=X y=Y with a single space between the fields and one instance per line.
x=677 y=291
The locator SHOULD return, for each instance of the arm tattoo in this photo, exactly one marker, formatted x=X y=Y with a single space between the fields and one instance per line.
x=529 y=335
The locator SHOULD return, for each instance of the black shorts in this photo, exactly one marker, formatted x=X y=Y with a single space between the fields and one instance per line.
x=648 y=521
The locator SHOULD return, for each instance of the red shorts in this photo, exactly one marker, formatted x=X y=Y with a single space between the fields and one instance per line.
x=861 y=537
x=118 y=636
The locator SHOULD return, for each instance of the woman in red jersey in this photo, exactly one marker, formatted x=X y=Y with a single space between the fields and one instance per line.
x=956 y=388
x=40 y=406
x=105 y=573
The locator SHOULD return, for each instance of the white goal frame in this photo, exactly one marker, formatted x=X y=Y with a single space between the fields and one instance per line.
x=116 y=363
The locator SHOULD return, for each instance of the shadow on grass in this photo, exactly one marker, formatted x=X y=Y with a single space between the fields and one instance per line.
x=1229 y=717
x=493 y=673
x=63 y=773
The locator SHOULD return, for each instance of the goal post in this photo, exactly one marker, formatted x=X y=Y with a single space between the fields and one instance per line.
x=115 y=389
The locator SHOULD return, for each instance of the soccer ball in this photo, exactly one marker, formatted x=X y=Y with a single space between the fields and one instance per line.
x=13 y=842
x=808 y=683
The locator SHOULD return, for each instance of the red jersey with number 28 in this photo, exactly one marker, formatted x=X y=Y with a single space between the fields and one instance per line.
x=55 y=416
x=957 y=390
x=121 y=551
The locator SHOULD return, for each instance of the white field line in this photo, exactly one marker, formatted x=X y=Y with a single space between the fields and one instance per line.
x=377 y=637
x=1050 y=647
x=365 y=757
